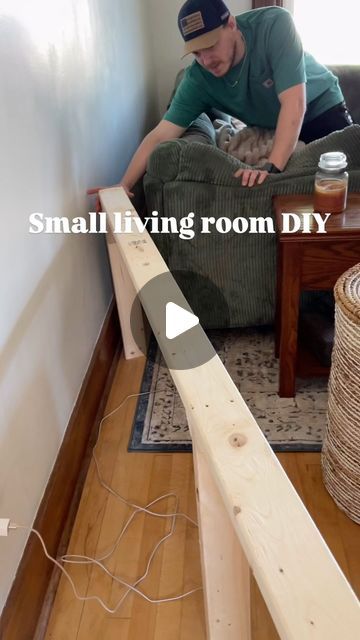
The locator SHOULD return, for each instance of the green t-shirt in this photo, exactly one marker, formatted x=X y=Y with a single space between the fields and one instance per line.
x=274 y=61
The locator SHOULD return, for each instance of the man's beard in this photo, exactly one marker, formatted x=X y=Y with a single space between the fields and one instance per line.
x=233 y=58
x=232 y=61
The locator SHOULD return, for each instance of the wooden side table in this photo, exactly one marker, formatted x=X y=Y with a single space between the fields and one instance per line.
x=308 y=262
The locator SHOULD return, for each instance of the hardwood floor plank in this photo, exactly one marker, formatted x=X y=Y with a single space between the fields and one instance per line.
x=143 y=613
x=262 y=626
x=350 y=534
x=87 y=527
x=68 y=609
x=192 y=623
x=123 y=477
x=323 y=509
x=173 y=559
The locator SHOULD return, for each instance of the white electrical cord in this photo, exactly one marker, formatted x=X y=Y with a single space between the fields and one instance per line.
x=110 y=489
x=80 y=559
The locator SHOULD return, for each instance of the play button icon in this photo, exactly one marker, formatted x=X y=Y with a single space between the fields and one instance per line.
x=178 y=312
x=178 y=320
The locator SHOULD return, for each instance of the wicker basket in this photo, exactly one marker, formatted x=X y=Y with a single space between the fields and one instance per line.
x=341 y=448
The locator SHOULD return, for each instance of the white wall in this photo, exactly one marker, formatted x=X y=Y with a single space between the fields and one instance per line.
x=168 y=44
x=76 y=97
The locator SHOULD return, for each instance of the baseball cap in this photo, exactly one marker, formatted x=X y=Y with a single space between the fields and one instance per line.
x=200 y=22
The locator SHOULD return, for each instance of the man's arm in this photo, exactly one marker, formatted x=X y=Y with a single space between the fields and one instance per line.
x=292 y=111
x=288 y=126
x=165 y=130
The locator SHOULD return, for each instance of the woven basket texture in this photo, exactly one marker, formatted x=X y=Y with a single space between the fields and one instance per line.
x=341 y=448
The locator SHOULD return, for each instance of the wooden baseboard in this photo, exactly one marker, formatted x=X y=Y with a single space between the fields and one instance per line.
x=23 y=608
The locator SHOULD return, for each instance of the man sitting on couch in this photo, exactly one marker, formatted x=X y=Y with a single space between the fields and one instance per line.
x=254 y=68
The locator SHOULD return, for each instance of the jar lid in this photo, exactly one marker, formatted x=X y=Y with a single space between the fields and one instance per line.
x=333 y=161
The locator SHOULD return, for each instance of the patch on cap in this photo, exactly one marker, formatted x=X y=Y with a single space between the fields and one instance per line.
x=192 y=23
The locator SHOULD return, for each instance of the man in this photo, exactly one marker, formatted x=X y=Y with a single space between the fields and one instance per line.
x=254 y=68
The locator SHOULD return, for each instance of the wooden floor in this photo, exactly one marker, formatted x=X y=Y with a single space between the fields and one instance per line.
x=142 y=477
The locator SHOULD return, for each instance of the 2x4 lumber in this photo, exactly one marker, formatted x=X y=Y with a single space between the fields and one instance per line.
x=225 y=569
x=306 y=592
x=126 y=297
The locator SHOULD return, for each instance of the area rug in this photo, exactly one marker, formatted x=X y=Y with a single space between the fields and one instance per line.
x=289 y=424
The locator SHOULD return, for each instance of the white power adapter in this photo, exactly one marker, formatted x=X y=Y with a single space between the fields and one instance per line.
x=4 y=526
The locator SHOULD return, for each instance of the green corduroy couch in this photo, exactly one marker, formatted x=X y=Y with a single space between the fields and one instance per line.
x=192 y=174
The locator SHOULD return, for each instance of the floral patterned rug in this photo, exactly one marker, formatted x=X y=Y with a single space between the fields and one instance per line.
x=289 y=424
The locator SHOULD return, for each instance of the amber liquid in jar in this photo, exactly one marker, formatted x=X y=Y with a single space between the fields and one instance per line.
x=330 y=196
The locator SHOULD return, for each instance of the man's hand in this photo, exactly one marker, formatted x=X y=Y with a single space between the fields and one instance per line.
x=251 y=176
x=95 y=192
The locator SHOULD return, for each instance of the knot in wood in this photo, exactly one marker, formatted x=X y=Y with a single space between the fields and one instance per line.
x=237 y=440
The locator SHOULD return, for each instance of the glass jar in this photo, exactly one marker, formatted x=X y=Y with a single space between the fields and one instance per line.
x=331 y=183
